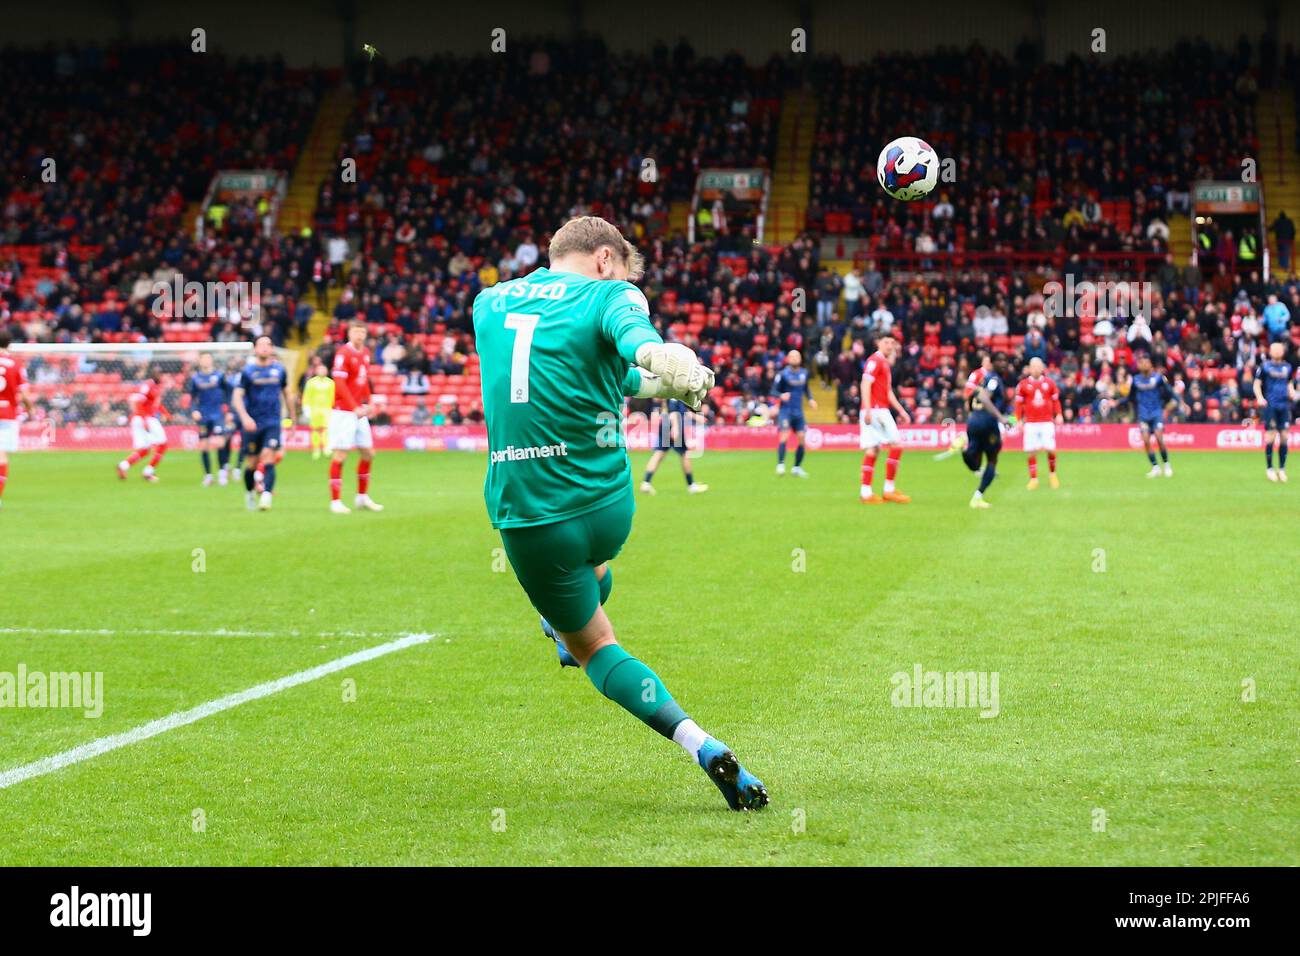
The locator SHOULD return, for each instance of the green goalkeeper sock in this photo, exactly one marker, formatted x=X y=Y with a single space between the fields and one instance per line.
x=606 y=584
x=634 y=687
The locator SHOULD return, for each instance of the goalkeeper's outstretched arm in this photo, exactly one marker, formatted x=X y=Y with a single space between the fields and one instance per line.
x=625 y=321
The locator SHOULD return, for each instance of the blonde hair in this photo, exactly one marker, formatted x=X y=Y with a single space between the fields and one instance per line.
x=584 y=235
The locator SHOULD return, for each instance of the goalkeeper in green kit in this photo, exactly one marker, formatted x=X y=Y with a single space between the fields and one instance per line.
x=559 y=350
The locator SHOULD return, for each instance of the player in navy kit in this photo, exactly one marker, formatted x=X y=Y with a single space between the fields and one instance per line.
x=668 y=433
x=1275 y=390
x=983 y=439
x=257 y=402
x=233 y=374
x=209 y=399
x=1152 y=395
x=791 y=388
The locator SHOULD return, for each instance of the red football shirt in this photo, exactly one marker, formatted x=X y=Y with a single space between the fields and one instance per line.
x=351 y=376
x=12 y=380
x=974 y=381
x=1038 y=399
x=876 y=379
x=145 y=402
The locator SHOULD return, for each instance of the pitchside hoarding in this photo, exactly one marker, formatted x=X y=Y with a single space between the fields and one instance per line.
x=1109 y=437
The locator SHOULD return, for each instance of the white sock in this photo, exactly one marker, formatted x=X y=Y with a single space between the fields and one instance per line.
x=691 y=738
x=148 y=469
x=978 y=494
x=889 y=486
x=866 y=491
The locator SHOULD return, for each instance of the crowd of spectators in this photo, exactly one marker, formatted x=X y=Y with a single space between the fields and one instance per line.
x=474 y=155
x=109 y=145
x=1208 y=338
x=1084 y=152
x=110 y=293
x=105 y=149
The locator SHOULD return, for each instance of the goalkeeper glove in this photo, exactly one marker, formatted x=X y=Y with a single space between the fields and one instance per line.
x=683 y=377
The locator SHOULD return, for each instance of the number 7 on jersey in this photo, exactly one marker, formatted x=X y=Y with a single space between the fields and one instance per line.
x=521 y=356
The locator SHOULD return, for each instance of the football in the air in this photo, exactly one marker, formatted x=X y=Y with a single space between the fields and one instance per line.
x=907 y=168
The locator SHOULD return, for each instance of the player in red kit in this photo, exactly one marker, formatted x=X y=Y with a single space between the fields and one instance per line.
x=147 y=435
x=1038 y=405
x=350 y=420
x=976 y=378
x=878 y=427
x=12 y=384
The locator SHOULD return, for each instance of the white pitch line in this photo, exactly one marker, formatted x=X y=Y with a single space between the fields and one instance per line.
x=153 y=632
x=182 y=718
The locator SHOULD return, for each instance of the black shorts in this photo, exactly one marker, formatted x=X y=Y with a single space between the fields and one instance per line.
x=1277 y=418
x=794 y=421
x=668 y=433
x=983 y=434
x=210 y=427
x=266 y=436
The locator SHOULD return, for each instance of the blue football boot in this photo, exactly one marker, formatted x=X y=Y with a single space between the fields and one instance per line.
x=741 y=789
x=566 y=659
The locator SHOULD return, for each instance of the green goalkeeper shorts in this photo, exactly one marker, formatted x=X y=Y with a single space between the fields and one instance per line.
x=556 y=562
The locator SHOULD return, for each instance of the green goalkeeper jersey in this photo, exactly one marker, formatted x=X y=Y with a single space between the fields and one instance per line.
x=555 y=351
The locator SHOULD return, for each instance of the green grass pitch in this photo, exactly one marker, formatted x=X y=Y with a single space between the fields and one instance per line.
x=1125 y=619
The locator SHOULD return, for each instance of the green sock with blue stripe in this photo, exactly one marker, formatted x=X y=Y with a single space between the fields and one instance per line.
x=634 y=687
